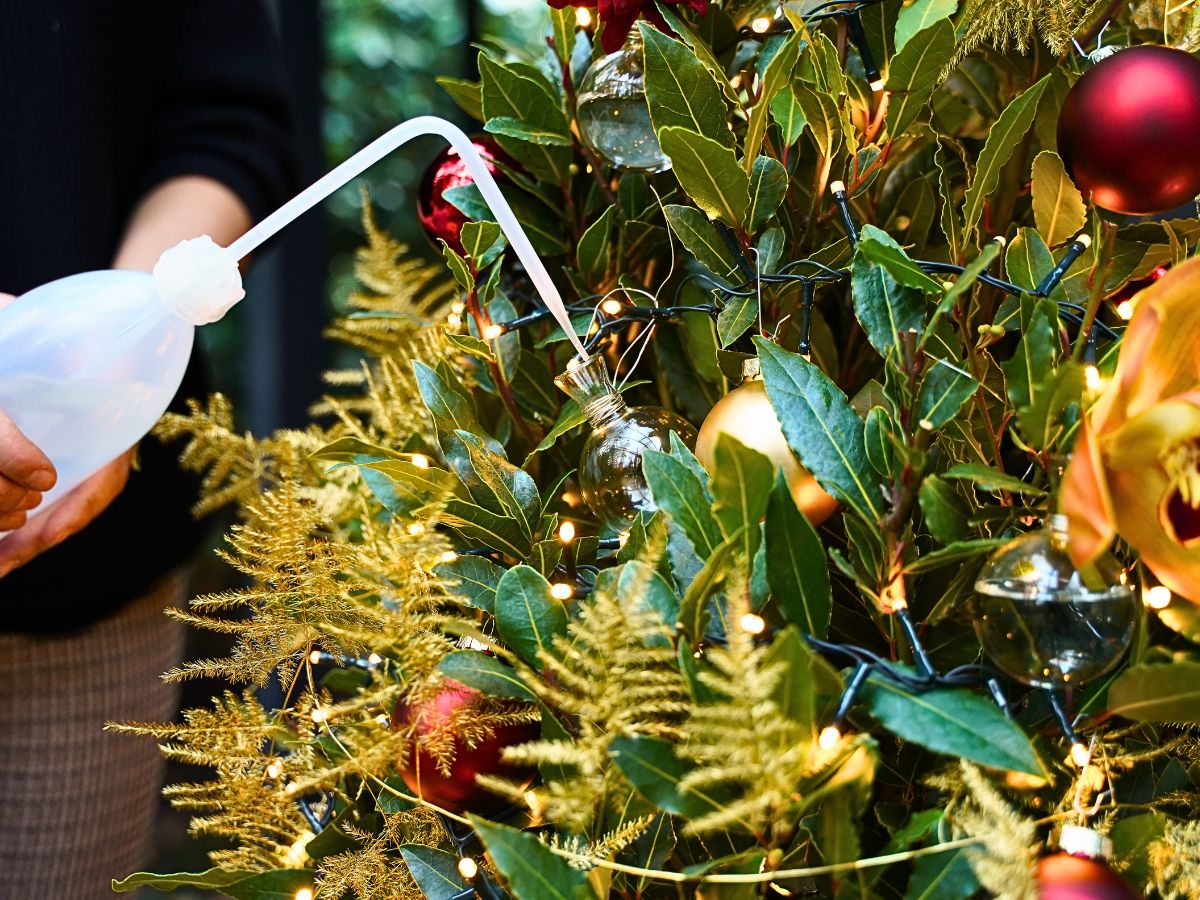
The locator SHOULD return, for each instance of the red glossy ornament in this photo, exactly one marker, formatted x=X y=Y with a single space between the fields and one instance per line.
x=458 y=791
x=1129 y=131
x=438 y=216
x=1066 y=877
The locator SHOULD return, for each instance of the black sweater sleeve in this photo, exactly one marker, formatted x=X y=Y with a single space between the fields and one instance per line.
x=219 y=108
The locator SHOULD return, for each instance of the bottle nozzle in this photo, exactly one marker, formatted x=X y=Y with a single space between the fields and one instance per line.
x=198 y=280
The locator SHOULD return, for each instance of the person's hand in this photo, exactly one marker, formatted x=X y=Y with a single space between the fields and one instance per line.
x=25 y=471
x=25 y=474
x=68 y=515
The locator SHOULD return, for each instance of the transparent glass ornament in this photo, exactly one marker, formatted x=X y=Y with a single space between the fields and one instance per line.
x=610 y=469
x=1042 y=621
x=613 y=115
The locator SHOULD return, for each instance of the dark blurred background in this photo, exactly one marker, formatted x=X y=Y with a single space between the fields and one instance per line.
x=355 y=68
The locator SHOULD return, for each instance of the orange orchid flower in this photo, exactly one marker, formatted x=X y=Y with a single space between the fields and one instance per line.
x=1135 y=470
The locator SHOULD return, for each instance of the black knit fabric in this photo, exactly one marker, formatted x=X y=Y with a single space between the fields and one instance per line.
x=100 y=100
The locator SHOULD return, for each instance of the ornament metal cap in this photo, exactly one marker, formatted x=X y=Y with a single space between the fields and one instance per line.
x=1080 y=841
x=751 y=368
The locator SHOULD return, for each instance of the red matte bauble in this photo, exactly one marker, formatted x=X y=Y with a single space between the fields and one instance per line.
x=438 y=216
x=1066 y=877
x=1129 y=131
x=458 y=791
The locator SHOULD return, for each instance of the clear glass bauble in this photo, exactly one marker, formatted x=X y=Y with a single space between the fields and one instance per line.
x=613 y=115
x=1042 y=622
x=610 y=469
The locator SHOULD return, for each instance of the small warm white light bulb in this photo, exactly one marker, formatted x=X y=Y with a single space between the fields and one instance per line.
x=303 y=894
x=1125 y=309
x=491 y=332
x=752 y=624
x=1092 y=378
x=566 y=531
x=1157 y=597
x=314 y=657
x=877 y=85
x=457 y=307
x=1080 y=755
x=761 y=25
x=420 y=460
x=382 y=719
x=622 y=538
x=583 y=17
x=416 y=528
x=274 y=769
x=611 y=307
x=562 y=591
x=448 y=556
x=829 y=737
x=454 y=320
x=374 y=659
x=319 y=715
x=468 y=868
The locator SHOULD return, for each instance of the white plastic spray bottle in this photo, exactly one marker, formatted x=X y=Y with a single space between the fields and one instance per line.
x=89 y=363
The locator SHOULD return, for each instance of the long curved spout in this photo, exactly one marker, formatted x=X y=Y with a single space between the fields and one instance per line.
x=381 y=147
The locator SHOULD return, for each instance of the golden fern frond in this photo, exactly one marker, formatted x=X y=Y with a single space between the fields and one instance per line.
x=615 y=674
x=1003 y=862
x=369 y=872
x=1005 y=24
x=1175 y=861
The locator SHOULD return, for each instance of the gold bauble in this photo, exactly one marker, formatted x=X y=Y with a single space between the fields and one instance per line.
x=746 y=414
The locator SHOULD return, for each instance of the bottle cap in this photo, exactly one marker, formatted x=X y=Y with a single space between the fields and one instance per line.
x=1079 y=841
x=198 y=280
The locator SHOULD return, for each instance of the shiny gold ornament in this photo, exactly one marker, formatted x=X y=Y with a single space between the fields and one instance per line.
x=745 y=413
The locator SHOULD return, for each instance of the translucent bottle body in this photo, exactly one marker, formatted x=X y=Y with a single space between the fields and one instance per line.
x=90 y=363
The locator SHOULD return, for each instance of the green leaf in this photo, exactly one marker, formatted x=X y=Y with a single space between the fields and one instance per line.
x=879 y=247
x=1041 y=423
x=458 y=267
x=507 y=126
x=656 y=594
x=969 y=275
x=700 y=47
x=709 y=173
x=451 y=411
x=768 y=185
x=1159 y=692
x=653 y=767
x=403 y=487
x=1058 y=208
x=776 y=77
x=944 y=390
x=679 y=492
x=211 y=879
x=885 y=308
x=821 y=115
x=467 y=94
x=954 y=552
x=946 y=876
x=483 y=241
x=680 y=91
x=1007 y=132
x=530 y=868
x=952 y=721
x=918 y=16
x=280 y=884
x=435 y=871
x=700 y=238
x=509 y=92
x=527 y=616
x=944 y=510
x=1028 y=259
x=592 y=253
x=484 y=673
x=795 y=693
x=484 y=526
x=562 y=28
x=789 y=116
x=914 y=73
x=796 y=567
x=1034 y=357
x=741 y=485
x=988 y=479
x=1131 y=836
x=496 y=484
x=693 y=611
x=821 y=427
x=473 y=578
x=738 y=314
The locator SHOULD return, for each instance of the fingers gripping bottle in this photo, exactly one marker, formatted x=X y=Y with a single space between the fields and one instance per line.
x=89 y=363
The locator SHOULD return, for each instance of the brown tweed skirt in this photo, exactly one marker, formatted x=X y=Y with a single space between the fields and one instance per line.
x=77 y=804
